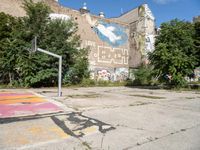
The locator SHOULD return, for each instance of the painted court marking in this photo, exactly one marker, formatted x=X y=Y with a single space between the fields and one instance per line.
x=19 y=130
x=14 y=104
x=37 y=132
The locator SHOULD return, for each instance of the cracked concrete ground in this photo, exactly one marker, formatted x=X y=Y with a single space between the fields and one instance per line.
x=111 y=118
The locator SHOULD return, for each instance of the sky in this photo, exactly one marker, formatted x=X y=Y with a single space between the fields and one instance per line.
x=163 y=10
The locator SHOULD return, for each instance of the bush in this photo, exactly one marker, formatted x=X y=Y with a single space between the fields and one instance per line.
x=87 y=82
x=143 y=75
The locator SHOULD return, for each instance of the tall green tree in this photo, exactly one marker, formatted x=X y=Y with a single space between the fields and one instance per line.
x=197 y=41
x=57 y=36
x=7 y=54
x=174 y=54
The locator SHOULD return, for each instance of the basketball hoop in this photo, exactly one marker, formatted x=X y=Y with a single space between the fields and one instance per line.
x=33 y=47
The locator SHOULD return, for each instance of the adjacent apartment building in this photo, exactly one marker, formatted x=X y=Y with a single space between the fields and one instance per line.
x=117 y=45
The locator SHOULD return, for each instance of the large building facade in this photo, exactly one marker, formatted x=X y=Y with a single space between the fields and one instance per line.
x=116 y=45
x=196 y=19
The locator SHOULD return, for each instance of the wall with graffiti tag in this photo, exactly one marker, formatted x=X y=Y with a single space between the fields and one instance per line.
x=116 y=44
x=109 y=74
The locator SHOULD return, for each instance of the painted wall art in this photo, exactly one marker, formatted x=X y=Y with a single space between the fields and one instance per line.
x=107 y=55
x=109 y=74
x=111 y=33
x=121 y=74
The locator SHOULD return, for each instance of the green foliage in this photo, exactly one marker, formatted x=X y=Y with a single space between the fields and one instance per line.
x=197 y=41
x=86 y=82
x=174 y=53
x=7 y=66
x=143 y=75
x=18 y=66
x=79 y=70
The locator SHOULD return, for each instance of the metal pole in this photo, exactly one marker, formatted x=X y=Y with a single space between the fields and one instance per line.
x=59 y=69
x=49 y=53
x=60 y=77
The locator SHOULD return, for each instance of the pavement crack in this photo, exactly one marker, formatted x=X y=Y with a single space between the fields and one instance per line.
x=113 y=107
x=174 y=106
x=152 y=139
x=102 y=140
x=125 y=126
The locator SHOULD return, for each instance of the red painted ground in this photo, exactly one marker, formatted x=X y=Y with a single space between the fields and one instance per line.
x=13 y=104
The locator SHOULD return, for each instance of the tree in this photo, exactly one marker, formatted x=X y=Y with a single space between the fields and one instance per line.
x=174 y=53
x=79 y=70
x=7 y=54
x=197 y=41
x=57 y=36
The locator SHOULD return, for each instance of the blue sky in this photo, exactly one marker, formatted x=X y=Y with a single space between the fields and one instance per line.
x=163 y=10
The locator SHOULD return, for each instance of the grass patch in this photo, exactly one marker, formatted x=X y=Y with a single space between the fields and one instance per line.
x=148 y=96
x=100 y=83
x=84 y=96
x=2 y=86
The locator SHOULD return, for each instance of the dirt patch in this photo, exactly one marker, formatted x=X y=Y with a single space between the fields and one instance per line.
x=140 y=103
x=148 y=96
x=84 y=96
x=190 y=98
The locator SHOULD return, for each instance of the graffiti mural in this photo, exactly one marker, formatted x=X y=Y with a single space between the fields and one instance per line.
x=121 y=74
x=109 y=74
x=150 y=40
x=142 y=31
x=112 y=55
x=103 y=75
x=148 y=12
x=107 y=55
x=144 y=11
x=111 y=33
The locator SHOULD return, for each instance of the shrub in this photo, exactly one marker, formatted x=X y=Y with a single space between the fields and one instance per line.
x=143 y=75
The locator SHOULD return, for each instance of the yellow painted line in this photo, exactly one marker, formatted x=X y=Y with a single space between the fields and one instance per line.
x=59 y=132
x=15 y=97
x=53 y=131
x=26 y=98
x=23 y=100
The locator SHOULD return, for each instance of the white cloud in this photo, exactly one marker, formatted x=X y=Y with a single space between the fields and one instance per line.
x=164 y=1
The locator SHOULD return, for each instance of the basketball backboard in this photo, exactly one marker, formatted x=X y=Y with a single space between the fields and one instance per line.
x=34 y=45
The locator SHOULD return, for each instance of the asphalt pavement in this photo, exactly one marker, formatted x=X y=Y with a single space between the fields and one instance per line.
x=105 y=118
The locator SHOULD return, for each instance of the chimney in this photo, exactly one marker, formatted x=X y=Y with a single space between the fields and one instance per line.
x=101 y=14
x=84 y=9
